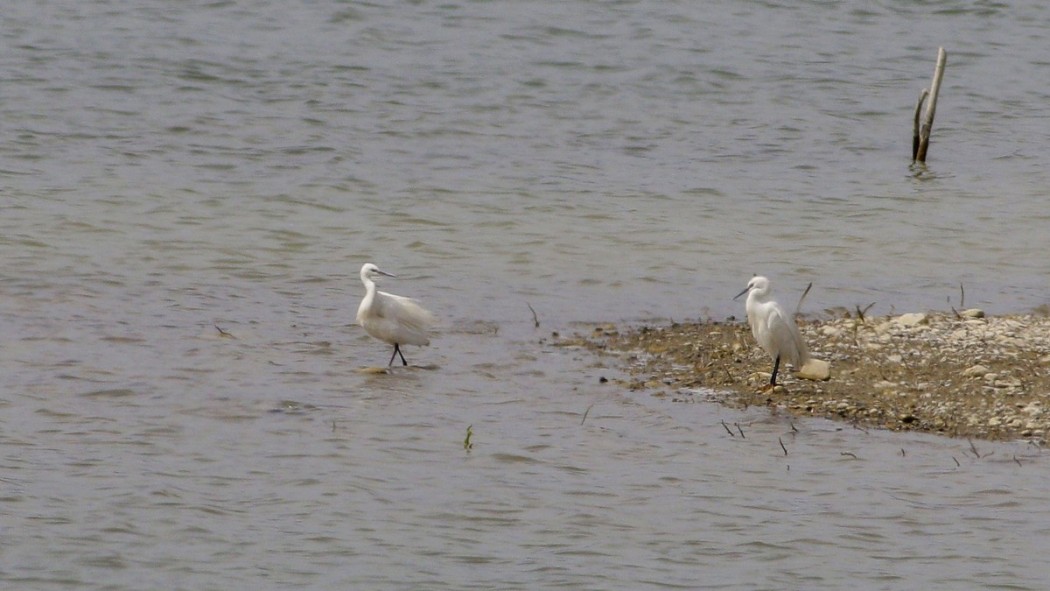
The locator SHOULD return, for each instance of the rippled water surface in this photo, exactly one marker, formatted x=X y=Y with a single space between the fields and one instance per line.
x=187 y=191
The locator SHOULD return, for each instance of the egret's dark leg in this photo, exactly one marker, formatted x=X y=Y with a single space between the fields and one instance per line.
x=394 y=354
x=776 y=368
x=397 y=349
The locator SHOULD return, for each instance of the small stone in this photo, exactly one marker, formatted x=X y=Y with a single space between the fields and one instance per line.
x=895 y=359
x=1033 y=409
x=994 y=422
x=911 y=319
x=972 y=313
x=883 y=385
x=977 y=370
x=831 y=331
x=817 y=370
x=759 y=377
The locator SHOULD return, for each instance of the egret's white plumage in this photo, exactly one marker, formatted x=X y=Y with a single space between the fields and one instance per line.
x=773 y=328
x=393 y=319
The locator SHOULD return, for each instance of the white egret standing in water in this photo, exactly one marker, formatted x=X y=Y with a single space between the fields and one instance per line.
x=774 y=329
x=392 y=318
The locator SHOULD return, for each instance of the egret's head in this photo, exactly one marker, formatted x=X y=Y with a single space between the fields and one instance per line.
x=370 y=271
x=758 y=284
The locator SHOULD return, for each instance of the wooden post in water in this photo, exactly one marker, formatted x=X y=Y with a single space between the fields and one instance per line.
x=919 y=148
x=915 y=128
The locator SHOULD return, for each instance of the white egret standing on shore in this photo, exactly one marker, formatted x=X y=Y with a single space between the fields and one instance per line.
x=393 y=319
x=773 y=328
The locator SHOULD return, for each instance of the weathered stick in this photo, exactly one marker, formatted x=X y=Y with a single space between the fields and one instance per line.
x=931 y=107
x=798 y=308
x=728 y=430
x=586 y=412
x=915 y=128
x=973 y=448
x=535 y=318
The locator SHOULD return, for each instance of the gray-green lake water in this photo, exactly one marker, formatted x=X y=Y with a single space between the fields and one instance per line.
x=169 y=168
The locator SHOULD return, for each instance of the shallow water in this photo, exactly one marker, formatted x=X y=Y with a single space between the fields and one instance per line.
x=171 y=170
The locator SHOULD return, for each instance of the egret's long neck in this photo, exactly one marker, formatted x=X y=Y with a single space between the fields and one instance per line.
x=755 y=300
x=370 y=288
x=370 y=293
x=366 y=302
x=761 y=295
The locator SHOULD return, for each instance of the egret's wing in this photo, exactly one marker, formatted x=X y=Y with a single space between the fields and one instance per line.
x=406 y=311
x=786 y=337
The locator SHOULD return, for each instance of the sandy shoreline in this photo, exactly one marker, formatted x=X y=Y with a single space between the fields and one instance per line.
x=957 y=374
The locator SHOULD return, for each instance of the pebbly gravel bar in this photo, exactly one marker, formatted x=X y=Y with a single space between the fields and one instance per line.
x=960 y=374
